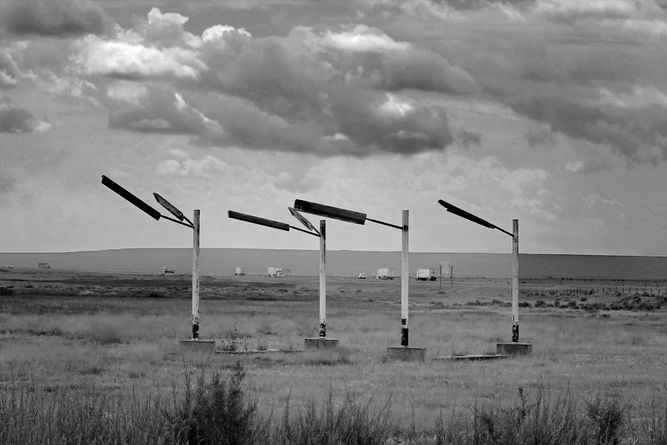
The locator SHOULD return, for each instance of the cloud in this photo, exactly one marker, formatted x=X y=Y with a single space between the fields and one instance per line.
x=637 y=133
x=128 y=59
x=6 y=184
x=327 y=92
x=181 y=164
x=156 y=110
x=53 y=18
x=9 y=71
x=570 y=10
x=620 y=17
x=14 y=119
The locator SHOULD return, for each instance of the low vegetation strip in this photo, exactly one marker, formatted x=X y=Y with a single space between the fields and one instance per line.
x=211 y=409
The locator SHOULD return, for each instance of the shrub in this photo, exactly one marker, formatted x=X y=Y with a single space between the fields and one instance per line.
x=215 y=413
x=607 y=418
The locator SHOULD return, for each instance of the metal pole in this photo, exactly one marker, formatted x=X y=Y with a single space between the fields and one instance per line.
x=323 y=279
x=405 y=271
x=440 y=276
x=515 y=281
x=195 y=275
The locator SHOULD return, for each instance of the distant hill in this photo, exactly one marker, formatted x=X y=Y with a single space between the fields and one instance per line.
x=345 y=263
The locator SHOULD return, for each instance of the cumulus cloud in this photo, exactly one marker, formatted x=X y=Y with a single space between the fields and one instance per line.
x=53 y=18
x=120 y=58
x=9 y=71
x=327 y=92
x=14 y=119
x=628 y=17
x=638 y=133
x=156 y=110
x=614 y=9
x=181 y=164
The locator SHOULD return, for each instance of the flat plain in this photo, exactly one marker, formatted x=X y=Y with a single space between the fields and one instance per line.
x=119 y=334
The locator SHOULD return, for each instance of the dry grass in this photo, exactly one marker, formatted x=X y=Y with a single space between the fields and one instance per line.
x=120 y=343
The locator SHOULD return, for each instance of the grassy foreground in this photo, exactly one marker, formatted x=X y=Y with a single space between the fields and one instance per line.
x=215 y=410
x=95 y=359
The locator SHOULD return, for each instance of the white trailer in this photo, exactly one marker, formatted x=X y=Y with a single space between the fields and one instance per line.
x=430 y=274
x=239 y=271
x=278 y=272
x=385 y=273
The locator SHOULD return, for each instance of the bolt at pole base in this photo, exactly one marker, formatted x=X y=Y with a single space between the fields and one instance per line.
x=404 y=336
x=195 y=331
x=323 y=329
x=515 y=332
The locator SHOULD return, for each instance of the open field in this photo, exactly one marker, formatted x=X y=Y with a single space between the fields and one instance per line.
x=119 y=334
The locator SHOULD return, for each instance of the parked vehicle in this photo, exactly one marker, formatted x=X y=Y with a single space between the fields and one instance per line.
x=426 y=274
x=167 y=270
x=361 y=276
x=278 y=272
x=239 y=271
x=385 y=273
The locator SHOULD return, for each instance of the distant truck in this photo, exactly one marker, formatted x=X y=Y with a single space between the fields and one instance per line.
x=278 y=272
x=44 y=265
x=168 y=270
x=426 y=274
x=361 y=276
x=385 y=273
x=239 y=271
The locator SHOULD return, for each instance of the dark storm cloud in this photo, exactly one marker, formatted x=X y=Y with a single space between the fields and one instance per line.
x=14 y=119
x=53 y=17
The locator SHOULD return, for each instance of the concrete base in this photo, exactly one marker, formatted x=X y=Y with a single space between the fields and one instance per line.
x=320 y=343
x=261 y=351
x=405 y=353
x=472 y=357
x=199 y=347
x=514 y=348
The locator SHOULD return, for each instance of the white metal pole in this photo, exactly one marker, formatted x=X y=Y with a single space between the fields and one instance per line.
x=323 y=279
x=195 y=275
x=405 y=272
x=515 y=280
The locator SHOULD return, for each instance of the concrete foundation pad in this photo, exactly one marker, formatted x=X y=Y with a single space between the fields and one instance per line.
x=320 y=343
x=472 y=357
x=261 y=351
x=202 y=347
x=514 y=348
x=405 y=353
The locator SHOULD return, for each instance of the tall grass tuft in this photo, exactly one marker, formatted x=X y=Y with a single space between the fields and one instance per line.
x=215 y=413
x=33 y=415
x=607 y=418
x=351 y=422
x=536 y=420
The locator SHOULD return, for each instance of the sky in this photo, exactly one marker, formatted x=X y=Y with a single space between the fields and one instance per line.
x=553 y=112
